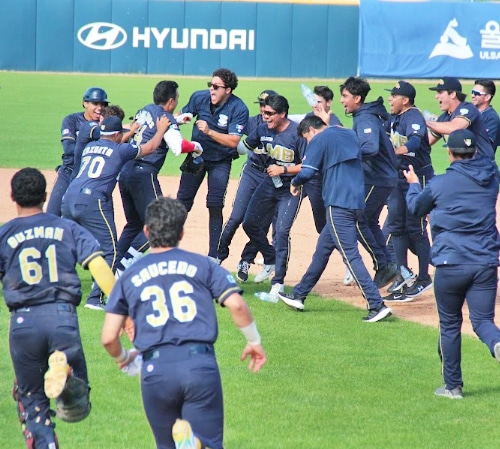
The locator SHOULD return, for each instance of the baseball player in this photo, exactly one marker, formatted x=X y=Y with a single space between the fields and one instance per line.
x=38 y=254
x=169 y=294
x=465 y=249
x=379 y=162
x=221 y=118
x=285 y=148
x=335 y=152
x=94 y=100
x=458 y=114
x=411 y=145
x=482 y=93
x=138 y=180
x=89 y=201
x=252 y=174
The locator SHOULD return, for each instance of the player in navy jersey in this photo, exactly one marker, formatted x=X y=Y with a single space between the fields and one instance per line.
x=278 y=139
x=411 y=145
x=38 y=254
x=335 y=152
x=169 y=294
x=482 y=94
x=458 y=114
x=138 y=180
x=221 y=118
x=94 y=100
x=252 y=174
x=89 y=200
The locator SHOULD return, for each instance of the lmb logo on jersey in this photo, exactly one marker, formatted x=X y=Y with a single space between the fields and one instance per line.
x=102 y=36
x=108 y=36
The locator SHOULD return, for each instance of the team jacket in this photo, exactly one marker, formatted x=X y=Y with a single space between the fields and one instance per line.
x=379 y=160
x=230 y=118
x=492 y=123
x=470 y=113
x=462 y=207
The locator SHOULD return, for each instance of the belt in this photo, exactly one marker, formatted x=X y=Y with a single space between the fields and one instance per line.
x=258 y=167
x=50 y=306
x=173 y=352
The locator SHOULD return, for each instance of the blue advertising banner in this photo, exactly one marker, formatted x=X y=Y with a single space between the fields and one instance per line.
x=429 y=39
x=273 y=39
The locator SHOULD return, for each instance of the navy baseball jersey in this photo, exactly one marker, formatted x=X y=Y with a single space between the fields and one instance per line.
x=101 y=163
x=403 y=126
x=336 y=153
x=147 y=117
x=255 y=157
x=69 y=131
x=38 y=255
x=89 y=131
x=230 y=118
x=492 y=124
x=470 y=113
x=169 y=296
x=281 y=148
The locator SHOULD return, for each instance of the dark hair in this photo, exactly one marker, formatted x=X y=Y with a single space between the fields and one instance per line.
x=278 y=102
x=461 y=154
x=230 y=79
x=113 y=109
x=489 y=86
x=28 y=187
x=324 y=92
x=165 y=218
x=164 y=91
x=310 y=121
x=356 y=85
x=460 y=95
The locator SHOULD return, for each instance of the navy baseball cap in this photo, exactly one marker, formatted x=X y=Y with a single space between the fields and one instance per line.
x=267 y=93
x=403 y=88
x=112 y=125
x=448 y=83
x=462 y=141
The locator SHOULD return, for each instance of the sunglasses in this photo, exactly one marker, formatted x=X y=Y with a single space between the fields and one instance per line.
x=215 y=86
x=269 y=113
x=477 y=93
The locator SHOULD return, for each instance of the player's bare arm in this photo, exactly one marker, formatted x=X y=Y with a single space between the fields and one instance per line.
x=228 y=140
x=448 y=127
x=110 y=339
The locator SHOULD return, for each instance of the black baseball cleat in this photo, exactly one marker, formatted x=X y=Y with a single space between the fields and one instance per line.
x=385 y=275
x=243 y=269
x=398 y=296
x=378 y=314
x=295 y=302
x=418 y=287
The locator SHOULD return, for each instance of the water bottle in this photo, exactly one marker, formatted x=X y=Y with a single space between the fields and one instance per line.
x=277 y=181
x=267 y=297
x=308 y=95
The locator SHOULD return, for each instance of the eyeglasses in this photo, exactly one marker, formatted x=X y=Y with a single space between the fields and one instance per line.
x=478 y=93
x=215 y=86
x=269 y=113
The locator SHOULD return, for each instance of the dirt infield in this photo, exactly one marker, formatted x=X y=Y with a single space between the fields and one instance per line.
x=303 y=239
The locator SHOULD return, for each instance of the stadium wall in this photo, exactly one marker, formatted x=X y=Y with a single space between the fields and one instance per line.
x=180 y=37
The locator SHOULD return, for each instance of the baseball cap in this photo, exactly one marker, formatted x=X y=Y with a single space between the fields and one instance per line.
x=111 y=125
x=448 y=83
x=403 y=88
x=462 y=141
x=267 y=93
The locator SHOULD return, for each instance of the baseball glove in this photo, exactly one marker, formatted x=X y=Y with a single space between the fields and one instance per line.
x=192 y=165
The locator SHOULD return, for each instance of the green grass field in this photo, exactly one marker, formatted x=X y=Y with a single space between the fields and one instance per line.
x=331 y=381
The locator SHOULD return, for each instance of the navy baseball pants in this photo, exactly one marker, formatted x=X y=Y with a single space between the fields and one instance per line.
x=313 y=189
x=369 y=232
x=35 y=333
x=183 y=382
x=454 y=284
x=340 y=233
x=218 y=177
x=59 y=189
x=268 y=198
x=95 y=213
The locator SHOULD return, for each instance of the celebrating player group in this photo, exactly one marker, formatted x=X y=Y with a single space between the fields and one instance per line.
x=163 y=297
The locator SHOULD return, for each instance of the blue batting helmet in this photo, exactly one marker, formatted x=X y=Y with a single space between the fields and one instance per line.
x=95 y=95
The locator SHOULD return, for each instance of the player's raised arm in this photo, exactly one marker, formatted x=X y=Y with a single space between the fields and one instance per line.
x=162 y=125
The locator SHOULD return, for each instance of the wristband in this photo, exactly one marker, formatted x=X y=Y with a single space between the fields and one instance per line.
x=251 y=333
x=285 y=170
x=124 y=355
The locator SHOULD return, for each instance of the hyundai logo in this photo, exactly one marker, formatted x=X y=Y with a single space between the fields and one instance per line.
x=102 y=36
